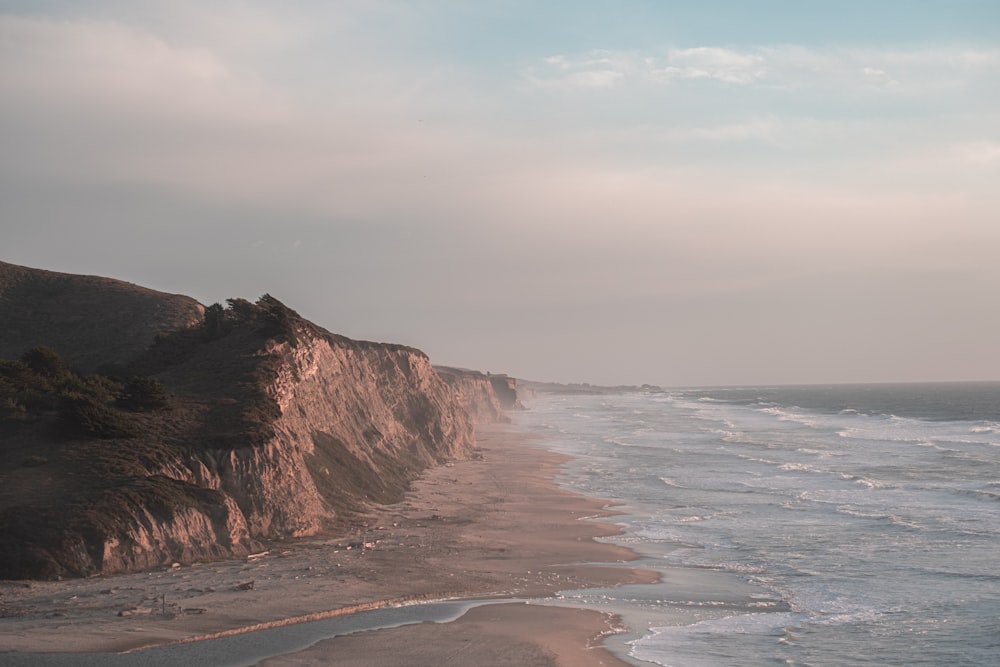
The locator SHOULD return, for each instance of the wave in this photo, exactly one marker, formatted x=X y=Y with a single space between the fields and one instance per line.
x=867 y=482
x=980 y=494
x=790 y=415
x=670 y=482
x=879 y=517
x=708 y=643
x=801 y=467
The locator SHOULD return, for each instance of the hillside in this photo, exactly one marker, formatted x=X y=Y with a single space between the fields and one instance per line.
x=90 y=321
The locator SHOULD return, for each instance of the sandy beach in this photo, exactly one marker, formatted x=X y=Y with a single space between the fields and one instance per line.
x=495 y=526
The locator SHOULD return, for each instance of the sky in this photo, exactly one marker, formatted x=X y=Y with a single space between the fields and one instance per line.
x=676 y=193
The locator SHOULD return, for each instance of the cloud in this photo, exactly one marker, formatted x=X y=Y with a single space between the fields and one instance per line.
x=566 y=72
x=597 y=69
x=709 y=63
x=116 y=105
x=108 y=103
x=785 y=66
x=878 y=77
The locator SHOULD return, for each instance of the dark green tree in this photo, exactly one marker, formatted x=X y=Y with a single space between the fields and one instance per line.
x=216 y=323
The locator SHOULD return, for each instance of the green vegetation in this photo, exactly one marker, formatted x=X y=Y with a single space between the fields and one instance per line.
x=218 y=362
x=143 y=394
x=84 y=416
x=268 y=318
x=41 y=385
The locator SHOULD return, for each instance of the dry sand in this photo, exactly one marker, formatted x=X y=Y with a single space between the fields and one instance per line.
x=490 y=527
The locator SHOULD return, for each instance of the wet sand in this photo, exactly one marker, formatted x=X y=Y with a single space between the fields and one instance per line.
x=495 y=526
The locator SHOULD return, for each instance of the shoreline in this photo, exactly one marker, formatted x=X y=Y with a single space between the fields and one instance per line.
x=496 y=526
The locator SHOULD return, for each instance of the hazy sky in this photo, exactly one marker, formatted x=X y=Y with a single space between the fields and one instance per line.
x=678 y=193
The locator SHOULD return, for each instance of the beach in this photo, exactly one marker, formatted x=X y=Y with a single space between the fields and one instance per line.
x=492 y=527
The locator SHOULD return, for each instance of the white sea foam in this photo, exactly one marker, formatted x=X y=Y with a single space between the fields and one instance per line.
x=692 y=645
x=786 y=415
x=801 y=467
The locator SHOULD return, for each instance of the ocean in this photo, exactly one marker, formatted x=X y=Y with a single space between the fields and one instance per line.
x=805 y=526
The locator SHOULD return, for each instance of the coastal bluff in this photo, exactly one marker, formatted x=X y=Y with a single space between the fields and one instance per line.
x=142 y=429
x=486 y=396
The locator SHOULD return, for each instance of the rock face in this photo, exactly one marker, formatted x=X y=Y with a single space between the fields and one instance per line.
x=505 y=388
x=276 y=429
x=485 y=396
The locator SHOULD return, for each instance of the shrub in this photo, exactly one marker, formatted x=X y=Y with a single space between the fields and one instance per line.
x=46 y=362
x=103 y=388
x=143 y=394
x=81 y=415
x=12 y=412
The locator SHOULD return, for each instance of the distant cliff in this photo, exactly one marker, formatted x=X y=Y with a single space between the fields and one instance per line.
x=240 y=425
x=487 y=397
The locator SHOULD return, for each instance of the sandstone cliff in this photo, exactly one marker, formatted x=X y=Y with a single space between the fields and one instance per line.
x=478 y=392
x=505 y=388
x=275 y=428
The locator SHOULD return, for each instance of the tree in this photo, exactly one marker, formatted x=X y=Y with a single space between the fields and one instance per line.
x=216 y=324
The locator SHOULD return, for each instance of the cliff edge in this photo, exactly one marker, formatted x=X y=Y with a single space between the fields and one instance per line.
x=244 y=424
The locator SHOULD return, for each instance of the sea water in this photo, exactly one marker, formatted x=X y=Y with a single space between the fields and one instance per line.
x=841 y=525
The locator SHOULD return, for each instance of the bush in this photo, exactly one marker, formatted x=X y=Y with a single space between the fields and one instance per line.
x=46 y=362
x=24 y=392
x=12 y=412
x=83 y=416
x=104 y=389
x=144 y=394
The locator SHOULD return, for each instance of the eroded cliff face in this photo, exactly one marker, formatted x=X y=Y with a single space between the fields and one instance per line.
x=358 y=422
x=148 y=534
x=327 y=426
x=486 y=397
x=505 y=388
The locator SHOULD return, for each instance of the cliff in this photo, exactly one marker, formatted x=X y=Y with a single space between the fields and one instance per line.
x=253 y=425
x=486 y=397
x=505 y=388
